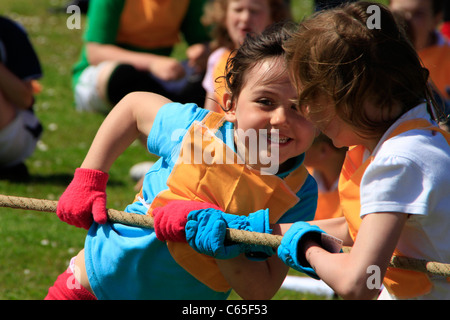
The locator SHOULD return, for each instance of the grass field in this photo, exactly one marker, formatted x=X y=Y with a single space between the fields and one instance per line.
x=36 y=247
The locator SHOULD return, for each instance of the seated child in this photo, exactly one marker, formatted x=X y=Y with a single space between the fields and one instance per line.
x=20 y=129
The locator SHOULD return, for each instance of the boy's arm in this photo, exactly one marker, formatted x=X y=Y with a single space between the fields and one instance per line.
x=133 y=115
x=84 y=200
x=254 y=279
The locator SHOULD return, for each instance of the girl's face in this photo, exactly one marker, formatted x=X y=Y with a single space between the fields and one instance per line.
x=322 y=114
x=247 y=16
x=266 y=116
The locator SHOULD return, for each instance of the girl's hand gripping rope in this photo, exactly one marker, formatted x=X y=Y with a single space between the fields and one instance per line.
x=84 y=200
x=206 y=233
x=290 y=250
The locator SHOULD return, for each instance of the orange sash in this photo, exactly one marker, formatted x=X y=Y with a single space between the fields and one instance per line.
x=328 y=205
x=436 y=60
x=219 y=81
x=400 y=283
x=225 y=181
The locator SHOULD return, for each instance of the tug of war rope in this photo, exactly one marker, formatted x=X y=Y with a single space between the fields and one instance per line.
x=431 y=268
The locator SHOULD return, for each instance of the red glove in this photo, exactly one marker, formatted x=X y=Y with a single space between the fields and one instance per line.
x=84 y=199
x=170 y=220
x=446 y=29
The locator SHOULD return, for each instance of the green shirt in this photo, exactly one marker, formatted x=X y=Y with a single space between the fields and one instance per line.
x=104 y=18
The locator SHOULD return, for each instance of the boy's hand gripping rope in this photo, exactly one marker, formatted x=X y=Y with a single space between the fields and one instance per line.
x=146 y=221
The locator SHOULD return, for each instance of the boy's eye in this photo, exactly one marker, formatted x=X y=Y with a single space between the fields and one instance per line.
x=294 y=106
x=265 y=102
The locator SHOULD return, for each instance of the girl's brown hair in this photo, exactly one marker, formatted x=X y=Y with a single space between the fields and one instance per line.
x=215 y=15
x=335 y=53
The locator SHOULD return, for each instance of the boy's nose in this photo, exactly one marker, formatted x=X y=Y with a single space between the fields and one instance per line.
x=279 y=116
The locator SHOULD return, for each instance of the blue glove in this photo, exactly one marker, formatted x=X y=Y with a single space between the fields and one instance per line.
x=206 y=232
x=292 y=240
x=255 y=222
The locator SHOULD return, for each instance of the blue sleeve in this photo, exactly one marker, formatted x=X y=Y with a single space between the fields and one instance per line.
x=305 y=209
x=169 y=127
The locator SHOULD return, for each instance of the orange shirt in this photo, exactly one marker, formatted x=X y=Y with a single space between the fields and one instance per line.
x=140 y=16
x=219 y=81
x=437 y=60
x=328 y=203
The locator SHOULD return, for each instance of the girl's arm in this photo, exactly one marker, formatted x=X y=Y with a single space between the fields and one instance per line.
x=347 y=273
x=254 y=280
x=133 y=115
x=337 y=227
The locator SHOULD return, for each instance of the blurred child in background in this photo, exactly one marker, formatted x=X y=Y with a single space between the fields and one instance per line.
x=20 y=129
x=231 y=21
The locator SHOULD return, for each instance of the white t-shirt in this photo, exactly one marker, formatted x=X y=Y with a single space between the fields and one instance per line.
x=410 y=173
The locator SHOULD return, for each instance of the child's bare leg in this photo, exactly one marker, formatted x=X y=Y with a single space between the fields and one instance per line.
x=103 y=79
x=80 y=272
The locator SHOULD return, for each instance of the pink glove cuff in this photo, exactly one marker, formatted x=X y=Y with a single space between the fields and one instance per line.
x=170 y=220
x=92 y=178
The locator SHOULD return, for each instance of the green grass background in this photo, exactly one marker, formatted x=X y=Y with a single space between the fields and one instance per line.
x=36 y=247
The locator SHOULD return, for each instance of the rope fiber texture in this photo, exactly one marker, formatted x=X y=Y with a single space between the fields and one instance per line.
x=145 y=221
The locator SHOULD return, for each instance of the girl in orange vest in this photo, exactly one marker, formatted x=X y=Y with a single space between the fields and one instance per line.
x=366 y=89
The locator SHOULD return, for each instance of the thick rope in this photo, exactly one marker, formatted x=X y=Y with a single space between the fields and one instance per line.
x=429 y=267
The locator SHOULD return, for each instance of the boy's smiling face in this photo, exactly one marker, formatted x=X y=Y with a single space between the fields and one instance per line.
x=267 y=107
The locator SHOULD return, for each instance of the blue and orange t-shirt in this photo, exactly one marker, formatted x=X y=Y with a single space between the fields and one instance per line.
x=125 y=262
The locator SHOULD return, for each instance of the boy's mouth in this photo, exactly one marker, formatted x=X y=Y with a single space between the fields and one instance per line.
x=277 y=139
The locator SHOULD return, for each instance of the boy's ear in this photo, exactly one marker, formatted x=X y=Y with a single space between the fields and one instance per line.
x=317 y=132
x=230 y=114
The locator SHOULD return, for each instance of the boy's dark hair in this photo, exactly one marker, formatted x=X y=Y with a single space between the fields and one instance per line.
x=254 y=50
